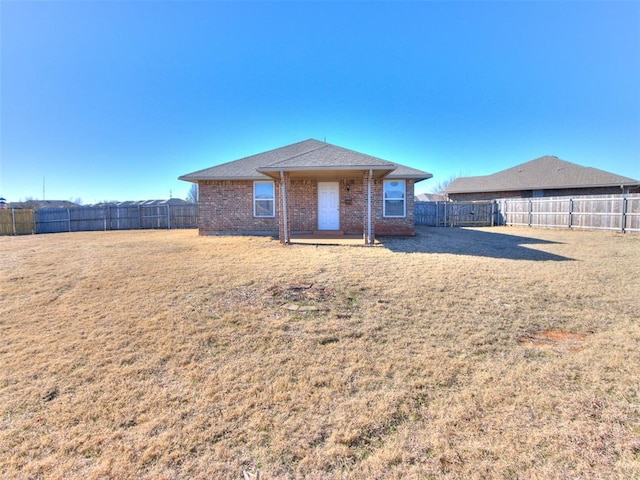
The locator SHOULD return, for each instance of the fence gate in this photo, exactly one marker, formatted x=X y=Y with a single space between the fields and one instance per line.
x=470 y=214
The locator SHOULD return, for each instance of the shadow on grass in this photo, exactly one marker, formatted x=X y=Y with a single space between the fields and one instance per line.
x=462 y=241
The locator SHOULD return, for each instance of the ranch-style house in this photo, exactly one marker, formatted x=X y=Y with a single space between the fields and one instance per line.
x=546 y=176
x=310 y=187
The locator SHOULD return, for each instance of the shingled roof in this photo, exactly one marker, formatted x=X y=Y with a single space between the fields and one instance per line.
x=544 y=173
x=309 y=155
x=43 y=204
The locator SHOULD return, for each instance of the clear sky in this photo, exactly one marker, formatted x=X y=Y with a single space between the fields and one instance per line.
x=115 y=100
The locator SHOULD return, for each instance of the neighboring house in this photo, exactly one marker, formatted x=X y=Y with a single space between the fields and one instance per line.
x=307 y=187
x=543 y=177
x=431 y=197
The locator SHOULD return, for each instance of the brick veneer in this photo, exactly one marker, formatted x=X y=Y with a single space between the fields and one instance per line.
x=302 y=204
x=393 y=226
x=302 y=199
x=226 y=207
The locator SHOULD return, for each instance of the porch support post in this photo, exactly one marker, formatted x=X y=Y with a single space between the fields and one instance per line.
x=285 y=220
x=369 y=240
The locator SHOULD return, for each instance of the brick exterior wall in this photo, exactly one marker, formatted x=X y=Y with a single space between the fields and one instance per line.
x=353 y=206
x=302 y=199
x=393 y=226
x=226 y=207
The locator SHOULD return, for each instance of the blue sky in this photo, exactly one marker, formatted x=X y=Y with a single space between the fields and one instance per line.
x=115 y=100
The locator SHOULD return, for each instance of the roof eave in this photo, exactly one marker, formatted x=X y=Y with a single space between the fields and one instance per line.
x=185 y=178
x=189 y=178
x=413 y=176
x=378 y=170
x=311 y=168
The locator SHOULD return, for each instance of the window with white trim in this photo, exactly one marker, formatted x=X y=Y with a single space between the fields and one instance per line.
x=263 y=199
x=394 y=204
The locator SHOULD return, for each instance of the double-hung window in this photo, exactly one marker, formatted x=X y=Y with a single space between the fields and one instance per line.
x=263 y=199
x=394 y=204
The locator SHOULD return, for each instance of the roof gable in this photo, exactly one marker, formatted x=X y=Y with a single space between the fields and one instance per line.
x=544 y=173
x=307 y=155
x=329 y=156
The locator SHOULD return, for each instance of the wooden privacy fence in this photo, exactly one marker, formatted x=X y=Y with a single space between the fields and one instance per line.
x=16 y=222
x=455 y=214
x=591 y=212
x=106 y=217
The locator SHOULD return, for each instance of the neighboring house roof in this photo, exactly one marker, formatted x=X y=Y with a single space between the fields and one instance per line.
x=170 y=201
x=144 y=203
x=41 y=204
x=309 y=155
x=430 y=197
x=544 y=173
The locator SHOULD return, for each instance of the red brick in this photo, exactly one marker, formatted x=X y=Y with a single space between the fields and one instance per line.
x=226 y=207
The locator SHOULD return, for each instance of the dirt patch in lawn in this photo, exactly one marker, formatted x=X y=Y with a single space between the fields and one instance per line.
x=554 y=340
x=302 y=292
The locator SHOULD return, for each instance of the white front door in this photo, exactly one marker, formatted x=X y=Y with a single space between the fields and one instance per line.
x=328 y=206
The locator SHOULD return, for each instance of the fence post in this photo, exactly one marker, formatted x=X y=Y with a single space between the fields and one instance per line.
x=140 y=216
x=623 y=220
x=504 y=211
x=69 y=217
x=13 y=220
x=168 y=217
x=529 y=212
x=570 y=213
x=493 y=212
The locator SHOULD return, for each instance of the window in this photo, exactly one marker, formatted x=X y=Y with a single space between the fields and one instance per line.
x=394 y=198
x=263 y=199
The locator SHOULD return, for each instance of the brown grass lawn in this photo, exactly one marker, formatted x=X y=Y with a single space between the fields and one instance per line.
x=460 y=353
